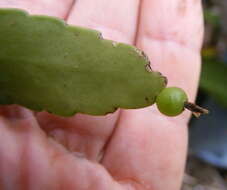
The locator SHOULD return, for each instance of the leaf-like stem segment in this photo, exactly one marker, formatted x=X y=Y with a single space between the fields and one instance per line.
x=195 y=109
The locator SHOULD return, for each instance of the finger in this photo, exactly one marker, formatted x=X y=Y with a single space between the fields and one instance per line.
x=172 y=38
x=19 y=138
x=30 y=160
x=117 y=20
x=148 y=150
x=18 y=114
x=83 y=135
x=88 y=134
x=57 y=8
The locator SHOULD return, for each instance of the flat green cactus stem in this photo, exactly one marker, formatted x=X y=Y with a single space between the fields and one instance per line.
x=48 y=65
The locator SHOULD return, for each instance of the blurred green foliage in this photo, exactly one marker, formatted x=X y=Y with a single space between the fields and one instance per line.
x=213 y=79
x=211 y=18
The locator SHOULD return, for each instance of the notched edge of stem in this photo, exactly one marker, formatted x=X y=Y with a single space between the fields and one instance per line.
x=195 y=109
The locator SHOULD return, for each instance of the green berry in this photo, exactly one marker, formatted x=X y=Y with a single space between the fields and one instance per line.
x=171 y=101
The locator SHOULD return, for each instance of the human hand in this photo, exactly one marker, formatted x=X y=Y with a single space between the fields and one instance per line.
x=130 y=149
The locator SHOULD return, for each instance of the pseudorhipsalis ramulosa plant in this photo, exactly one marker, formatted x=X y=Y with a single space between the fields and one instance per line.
x=48 y=65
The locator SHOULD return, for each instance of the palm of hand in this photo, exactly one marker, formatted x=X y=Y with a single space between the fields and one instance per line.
x=136 y=149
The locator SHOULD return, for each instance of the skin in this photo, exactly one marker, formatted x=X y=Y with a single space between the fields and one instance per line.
x=130 y=149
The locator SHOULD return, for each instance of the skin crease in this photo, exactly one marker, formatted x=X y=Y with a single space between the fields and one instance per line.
x=130 y=149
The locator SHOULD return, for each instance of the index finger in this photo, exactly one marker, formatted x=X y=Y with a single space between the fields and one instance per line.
x=152 y=147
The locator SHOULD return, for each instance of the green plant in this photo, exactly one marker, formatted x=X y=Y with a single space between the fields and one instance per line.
x=171 y=101
x=48 y=65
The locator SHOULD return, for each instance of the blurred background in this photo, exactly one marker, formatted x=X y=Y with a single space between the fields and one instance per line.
x=207 y=162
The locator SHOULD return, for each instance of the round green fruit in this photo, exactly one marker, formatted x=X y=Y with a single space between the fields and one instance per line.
x=171 y=101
